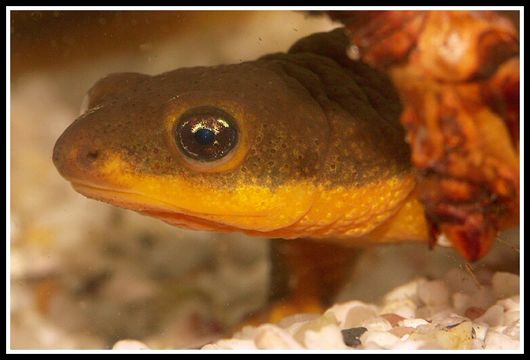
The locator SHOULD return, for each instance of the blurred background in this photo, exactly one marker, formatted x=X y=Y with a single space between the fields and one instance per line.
x=84 y=274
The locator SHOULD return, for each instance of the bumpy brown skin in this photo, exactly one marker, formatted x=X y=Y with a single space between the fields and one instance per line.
x=458 y=77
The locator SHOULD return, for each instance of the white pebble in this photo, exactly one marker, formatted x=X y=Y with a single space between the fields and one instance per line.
x=296 y=319
x=424 y=335
x=231 y=344
x=427 y=312
x=461 y=301
x=413 y=323
x=405 y=308
x=483 y=298
x=456 y=338
x=498 y=341
x=357 y=315
x=328 y=337
x=476 y=344
x=481 y=330
x=511 y=303
x=447 y=319
x=342 y=311
x=377 y=324
x=505 y=284
x=247 y=332
x=130 y=345
x=314 y=325
x=273 y=337
x=461 y=281
x=407 y=291
x=510 y=317
x=494 y=316
x=381 y=339
x=407 y=344
x=499 y=329
x=433 y=293
x=513 y=330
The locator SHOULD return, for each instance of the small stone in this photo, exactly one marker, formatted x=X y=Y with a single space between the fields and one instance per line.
x=494 y=316
x=381 y=339
x=498 y=341
x=513 y=331
x=510 y=304
x=474 y=312
x=400 y=331
x=447 y=319
x=425 y=329
x=500 y=329
x=246 y=333
x=345 y=310
x=476 y=344
x=505 y=284
x=351 y=337
x=423 y=312
x=413 y=323
x=405 y=308
x=457 y=337
x=406 y=291
x=424 y=336
x=483 y=275
x=393 y=319
x=329 y=337
x=315 y=325
x=480 y=331
x=461 y=301
x=407 y=344
x=459 y=280
x=433 y=293
x=481 y=298
x=377 y=324
x=273 y=337
x=427 y=312
x=130 y=345
x=511 y=317
x=231 y=344
x=357 y=315
x=297 y=318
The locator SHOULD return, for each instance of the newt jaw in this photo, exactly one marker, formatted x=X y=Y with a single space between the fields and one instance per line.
x=148 y=206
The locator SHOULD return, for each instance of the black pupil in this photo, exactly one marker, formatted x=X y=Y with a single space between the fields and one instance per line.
x=206 y=133
x=205 y=136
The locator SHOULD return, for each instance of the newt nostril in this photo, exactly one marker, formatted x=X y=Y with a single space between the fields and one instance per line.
x=92 y=155
x=88 y=157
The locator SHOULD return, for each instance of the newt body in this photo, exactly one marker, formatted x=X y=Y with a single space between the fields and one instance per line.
x=310 y=144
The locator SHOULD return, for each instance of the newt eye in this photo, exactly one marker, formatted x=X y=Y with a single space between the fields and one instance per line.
x=206 y=133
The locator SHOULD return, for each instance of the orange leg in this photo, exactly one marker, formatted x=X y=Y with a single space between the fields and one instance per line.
x=306 y=276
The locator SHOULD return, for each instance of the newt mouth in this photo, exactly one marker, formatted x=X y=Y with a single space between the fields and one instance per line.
x=152 y=207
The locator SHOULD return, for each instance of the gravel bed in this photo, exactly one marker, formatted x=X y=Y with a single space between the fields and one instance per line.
x=460 y=311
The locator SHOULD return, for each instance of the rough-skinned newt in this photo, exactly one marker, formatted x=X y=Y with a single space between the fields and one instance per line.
x=318 y=150
x=305 y=144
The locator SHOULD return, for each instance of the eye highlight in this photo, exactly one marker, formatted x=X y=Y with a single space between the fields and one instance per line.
x=206 y=133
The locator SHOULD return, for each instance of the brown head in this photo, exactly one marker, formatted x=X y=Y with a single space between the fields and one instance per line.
x=288 y=145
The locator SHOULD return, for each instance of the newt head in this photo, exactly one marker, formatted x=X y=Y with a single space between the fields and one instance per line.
x=201 y=147
x=289 y=145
